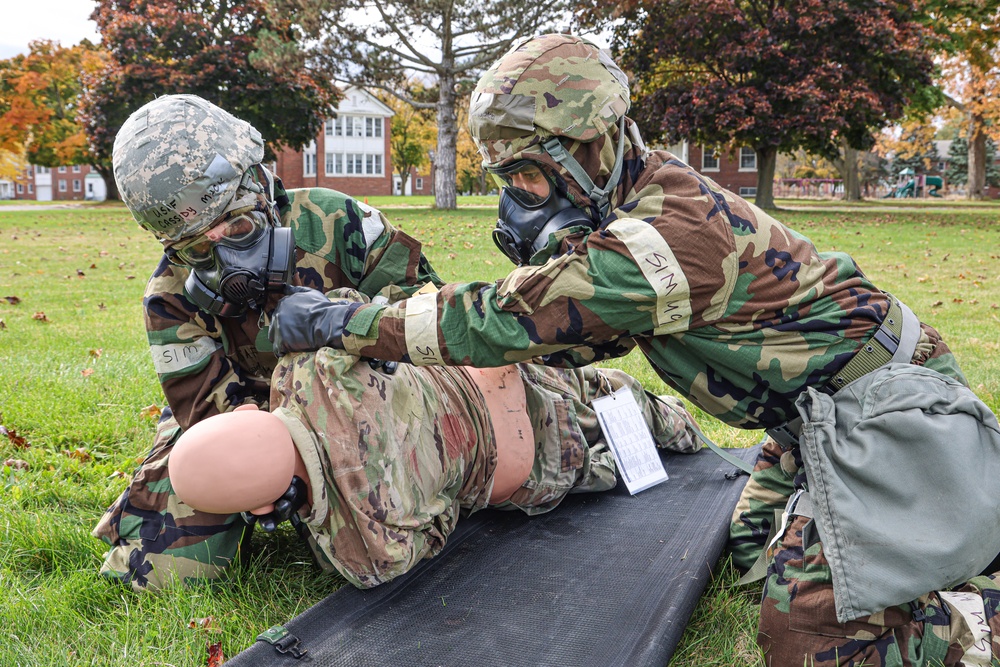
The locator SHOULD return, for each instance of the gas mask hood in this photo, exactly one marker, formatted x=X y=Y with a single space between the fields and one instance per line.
x=240 y=278
x=525 y=223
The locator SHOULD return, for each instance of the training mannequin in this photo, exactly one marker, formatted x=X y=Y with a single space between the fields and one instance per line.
x=390 y=458
x=253 y=450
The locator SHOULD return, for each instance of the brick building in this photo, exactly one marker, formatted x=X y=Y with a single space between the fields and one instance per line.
x=73 y=183
x=736 y=173
x=351 y=153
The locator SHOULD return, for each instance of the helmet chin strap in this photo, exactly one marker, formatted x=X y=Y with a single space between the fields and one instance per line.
x=601 y=196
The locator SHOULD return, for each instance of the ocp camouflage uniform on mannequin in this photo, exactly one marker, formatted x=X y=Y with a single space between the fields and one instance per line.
x=734 y=310
x=207 y=363
x=397 y=457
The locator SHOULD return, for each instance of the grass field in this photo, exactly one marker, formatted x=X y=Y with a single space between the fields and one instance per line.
x=77 y=394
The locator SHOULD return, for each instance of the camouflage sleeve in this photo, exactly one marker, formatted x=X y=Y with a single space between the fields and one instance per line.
x=188 y=353
x=619 y=282
x=347 y=243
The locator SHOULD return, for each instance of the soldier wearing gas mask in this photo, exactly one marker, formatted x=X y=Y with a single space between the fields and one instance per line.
x=234 y=240
x=865 y=406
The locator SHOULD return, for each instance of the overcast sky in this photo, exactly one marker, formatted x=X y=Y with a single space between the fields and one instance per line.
x=64 y=21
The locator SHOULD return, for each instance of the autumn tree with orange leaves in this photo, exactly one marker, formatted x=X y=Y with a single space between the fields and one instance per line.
x=39 y=100
x=970 y=48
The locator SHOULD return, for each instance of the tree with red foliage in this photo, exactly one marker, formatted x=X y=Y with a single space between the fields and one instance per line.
x=774 y=76
x=202 y=47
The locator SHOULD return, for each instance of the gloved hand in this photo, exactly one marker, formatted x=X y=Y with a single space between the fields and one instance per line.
x=306 y=320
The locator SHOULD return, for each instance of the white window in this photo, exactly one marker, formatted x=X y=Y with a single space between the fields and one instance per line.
x=359 y=126
x=330 y=164
x=76 y=169
x=77 y=185
x=62 y=185
x=748 y=159
x=20 y=188
x=62 y=170
x=31 y=188
x=373 y=164
x=709 y=159
x=338 y=126
x=748 y=192
x=355 y=163
x=420 y=184
x=373 y=127
x=328 y=127
x=309 y=160
x=42 y=170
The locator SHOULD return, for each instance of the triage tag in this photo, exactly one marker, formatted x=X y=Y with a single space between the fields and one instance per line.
x=632 y=444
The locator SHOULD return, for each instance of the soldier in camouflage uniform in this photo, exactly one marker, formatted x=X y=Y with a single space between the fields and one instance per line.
x=190 y=173
x=392 y=459
x=618 y=246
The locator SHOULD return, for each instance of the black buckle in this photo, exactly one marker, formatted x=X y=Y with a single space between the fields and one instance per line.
x=289 y=644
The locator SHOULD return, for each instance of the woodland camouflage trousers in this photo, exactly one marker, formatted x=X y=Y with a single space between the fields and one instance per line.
x=798 y=623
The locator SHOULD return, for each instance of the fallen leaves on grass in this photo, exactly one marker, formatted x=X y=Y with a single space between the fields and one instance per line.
x=41 y=317
x=151 y=411
x=16 y=464
x=215 y=654
x=96 y=352
x=80 y=454
x=87 y=372
x=3 y=325
x=12 y=300
x=18 y=441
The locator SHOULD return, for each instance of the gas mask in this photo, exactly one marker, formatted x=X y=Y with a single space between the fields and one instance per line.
x=530 y=210
x=235 y=264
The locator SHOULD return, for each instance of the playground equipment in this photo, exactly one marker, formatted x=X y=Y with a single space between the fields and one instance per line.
x=916 y=186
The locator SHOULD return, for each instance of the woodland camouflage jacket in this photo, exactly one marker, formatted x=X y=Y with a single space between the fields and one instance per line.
x=734 y=310
x=208 y=364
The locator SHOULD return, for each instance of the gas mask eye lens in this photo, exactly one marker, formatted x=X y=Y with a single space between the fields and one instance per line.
x=525 y=181
x=238 y=232
x=242 y=229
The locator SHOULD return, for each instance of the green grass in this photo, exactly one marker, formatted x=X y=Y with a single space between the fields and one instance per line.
x=75 y=383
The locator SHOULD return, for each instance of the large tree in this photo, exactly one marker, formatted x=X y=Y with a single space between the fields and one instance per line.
x=160 y=47
x=39 y=100
x=380 y=44
x=957 y=172
x=774 y=76
x=971 y=42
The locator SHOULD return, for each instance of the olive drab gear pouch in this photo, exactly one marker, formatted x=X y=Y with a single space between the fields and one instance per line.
x=903 y=471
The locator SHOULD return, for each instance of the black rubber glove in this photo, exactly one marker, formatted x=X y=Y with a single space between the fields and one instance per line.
x=306 y=320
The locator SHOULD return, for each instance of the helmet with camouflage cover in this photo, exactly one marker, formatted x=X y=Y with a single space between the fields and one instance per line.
x=560 y=101
x=548 y=86
x=179 y=161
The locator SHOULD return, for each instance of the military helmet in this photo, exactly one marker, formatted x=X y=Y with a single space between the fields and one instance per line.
x=178 y=162
x=548 y=86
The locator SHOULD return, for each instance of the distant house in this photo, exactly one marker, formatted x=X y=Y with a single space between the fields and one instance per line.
x=71 y=183
x=351 y=153
x=736 y=173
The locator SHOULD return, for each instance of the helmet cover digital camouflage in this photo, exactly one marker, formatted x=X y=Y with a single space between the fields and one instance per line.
x=548 y=86
x=178 y=162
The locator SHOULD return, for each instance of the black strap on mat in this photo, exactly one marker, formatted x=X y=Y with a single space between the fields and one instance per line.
x=605 y=579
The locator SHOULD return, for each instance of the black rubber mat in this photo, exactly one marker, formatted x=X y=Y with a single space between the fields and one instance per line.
x=605 y=579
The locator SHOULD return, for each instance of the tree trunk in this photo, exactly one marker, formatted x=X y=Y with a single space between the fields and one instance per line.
x=767 y=160
x=444 y=165
x=109 y=181
x=852 y=180
x=977 y=157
